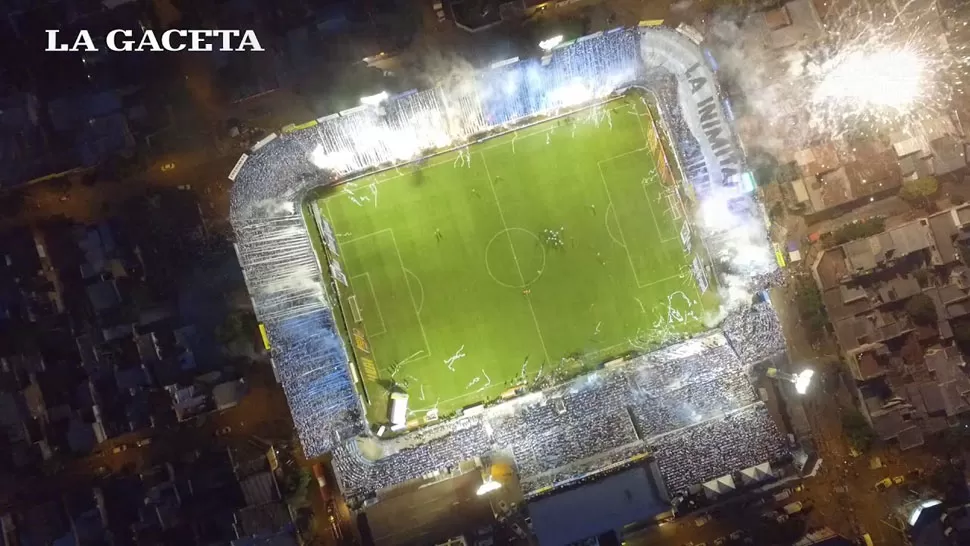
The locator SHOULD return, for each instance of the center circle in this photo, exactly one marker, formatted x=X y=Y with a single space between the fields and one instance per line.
x=515 y=257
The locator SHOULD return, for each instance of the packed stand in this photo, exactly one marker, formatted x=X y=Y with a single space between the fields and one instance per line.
x=586 y=470
x=593 y=420
x=714 y=448
x=463 y=440
x=308 y=355
x=755 y=333
x=677 y=393
x=528 y=87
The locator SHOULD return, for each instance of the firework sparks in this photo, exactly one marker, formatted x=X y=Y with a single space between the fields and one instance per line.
x=878 y=70
x=880 y=79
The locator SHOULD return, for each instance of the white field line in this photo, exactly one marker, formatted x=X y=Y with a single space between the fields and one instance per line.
x=414 y=306
x=377 y=305
x=515 y=257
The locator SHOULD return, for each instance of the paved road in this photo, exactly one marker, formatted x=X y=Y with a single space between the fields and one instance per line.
x=198 y=171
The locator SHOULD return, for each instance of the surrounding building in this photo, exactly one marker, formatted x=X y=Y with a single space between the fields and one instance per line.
x=908 y=367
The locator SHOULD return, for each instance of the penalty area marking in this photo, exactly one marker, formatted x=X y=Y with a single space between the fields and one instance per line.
x=417 y=315
x=377 y=306
x=607 y=216
x=408 y=272
x=619 y=226
x=404 y=273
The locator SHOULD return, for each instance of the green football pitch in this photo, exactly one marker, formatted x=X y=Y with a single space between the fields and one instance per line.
x=542 y=252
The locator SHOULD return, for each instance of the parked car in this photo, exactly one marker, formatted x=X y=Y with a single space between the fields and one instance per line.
x=119 y=448
x=702 y=521
x=898 y=480
x=883 y=484
x=143 y=442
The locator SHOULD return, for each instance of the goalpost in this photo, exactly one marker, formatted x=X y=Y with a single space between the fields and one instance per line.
x=355 y=309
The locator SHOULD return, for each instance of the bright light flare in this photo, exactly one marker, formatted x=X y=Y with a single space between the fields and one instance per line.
x=803 y=381
x=374 y=100
x=550 y=43
x=487 y=487
x=570 y=95
x=339 y=161
x=886 y=78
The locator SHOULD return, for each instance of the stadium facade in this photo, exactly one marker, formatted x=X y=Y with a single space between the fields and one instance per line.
x=633 y=417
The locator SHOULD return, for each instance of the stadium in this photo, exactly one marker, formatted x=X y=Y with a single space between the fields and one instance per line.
x=532 y=260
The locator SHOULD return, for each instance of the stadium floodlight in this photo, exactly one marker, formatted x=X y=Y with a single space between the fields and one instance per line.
x=487 y=487
x=374 y=100
x=802 y=380
x=548 y=44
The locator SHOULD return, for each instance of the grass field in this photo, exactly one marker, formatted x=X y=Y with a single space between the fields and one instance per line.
x=459 y=291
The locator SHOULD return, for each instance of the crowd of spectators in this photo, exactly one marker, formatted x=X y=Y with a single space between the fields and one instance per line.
x=671 y=394
x=755 y=333
x=284 y=281
x=593 y=66
x=465 y=439
x=700 y=453
x=672 y=403
x=585 y=470
x=591 y=418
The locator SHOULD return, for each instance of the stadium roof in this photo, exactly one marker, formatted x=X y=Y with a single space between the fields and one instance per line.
x=597 y=508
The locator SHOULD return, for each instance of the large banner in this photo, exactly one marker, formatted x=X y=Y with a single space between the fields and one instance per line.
x=338 y=273
x=699 y=274
x=328 y=237
x=326 y=231
x=685 y=237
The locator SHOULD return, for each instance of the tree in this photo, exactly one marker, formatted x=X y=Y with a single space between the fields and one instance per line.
x=296 y=487
x=918 y=192
x=964 y=253
x=238 y=326
x=854 y=230
x=857 y=429
x=765 y=166
x=923 y=277
x=776 y=211
x=922 y=310
x=810 y=306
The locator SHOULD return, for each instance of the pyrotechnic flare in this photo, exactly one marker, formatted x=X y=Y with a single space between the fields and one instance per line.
x=879 y=70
